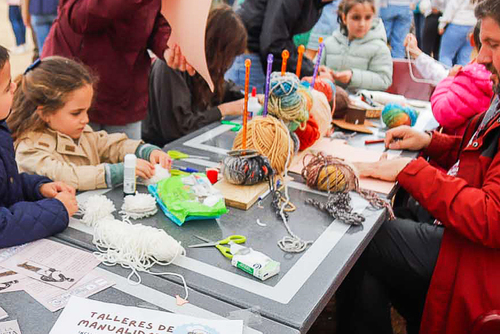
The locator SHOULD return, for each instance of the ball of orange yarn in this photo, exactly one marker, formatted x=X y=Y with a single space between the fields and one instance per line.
x=310 y=134
x=268 y=136
x=323 y=86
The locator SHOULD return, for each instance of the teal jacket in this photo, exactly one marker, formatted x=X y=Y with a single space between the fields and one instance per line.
x=369 y=58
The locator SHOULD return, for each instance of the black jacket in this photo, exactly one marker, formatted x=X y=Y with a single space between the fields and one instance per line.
x=171 y=113
x=271 y=25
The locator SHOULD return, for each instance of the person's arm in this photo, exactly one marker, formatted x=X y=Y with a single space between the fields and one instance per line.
x=90 y=16
x=31 y=186
x=473 y=213
x=452 y=6
x=112 y=147
x=277 y=35
x=159 y=37
x=41 y=162
x=378 y=76
x=430 y=68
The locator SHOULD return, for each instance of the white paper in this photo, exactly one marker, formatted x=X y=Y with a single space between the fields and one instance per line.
x=9 y=327
x=3 y=314
x=11 y=281
x=52 y=262
x=93 y=317
x=55 y=299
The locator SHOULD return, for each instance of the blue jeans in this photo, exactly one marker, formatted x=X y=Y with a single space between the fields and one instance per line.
x=41 y=24
x=325 y=26
x=455 y=47
x=419 y=20
x=16 y=20
x=132 y=130
x=397 y=22
x=236 y=72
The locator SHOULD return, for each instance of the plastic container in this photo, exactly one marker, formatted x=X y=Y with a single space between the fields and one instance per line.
x=252 y=262
x=254 y=106
x=129 y=180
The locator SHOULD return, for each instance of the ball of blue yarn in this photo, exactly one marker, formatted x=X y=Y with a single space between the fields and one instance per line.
x=392 y=110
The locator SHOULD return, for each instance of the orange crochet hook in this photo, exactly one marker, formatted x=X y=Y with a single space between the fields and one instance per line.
x=248 y=63
x=299 y=61
x=285 y=55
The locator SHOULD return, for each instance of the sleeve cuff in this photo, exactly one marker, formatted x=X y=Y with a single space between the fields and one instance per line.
x=143 y=151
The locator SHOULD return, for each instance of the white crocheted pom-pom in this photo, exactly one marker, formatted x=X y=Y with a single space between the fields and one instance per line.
x=96 y=208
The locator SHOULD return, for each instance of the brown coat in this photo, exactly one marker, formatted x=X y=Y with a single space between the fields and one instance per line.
x=77 y=163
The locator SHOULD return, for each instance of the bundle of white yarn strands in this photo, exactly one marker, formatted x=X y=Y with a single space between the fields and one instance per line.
x=133 y=246
x=139 y=206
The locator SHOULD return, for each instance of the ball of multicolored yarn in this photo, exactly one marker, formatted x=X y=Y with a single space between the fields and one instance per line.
x=324 y=86
x=394 y=115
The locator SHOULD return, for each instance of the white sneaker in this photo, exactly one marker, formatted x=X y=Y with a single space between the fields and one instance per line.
x=20 y=49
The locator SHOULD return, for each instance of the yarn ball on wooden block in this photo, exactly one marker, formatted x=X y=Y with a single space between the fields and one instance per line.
x=394 y=115
x=269 y=137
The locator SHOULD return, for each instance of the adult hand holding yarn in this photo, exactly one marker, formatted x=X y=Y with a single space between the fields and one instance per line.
x=406 y=138
x=385 y=169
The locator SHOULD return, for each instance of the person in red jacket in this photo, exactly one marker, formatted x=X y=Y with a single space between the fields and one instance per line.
x=441 y=278
x=113 y=38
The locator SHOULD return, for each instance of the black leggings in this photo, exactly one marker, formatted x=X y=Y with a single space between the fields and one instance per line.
x=395 y=269
x=431 y=38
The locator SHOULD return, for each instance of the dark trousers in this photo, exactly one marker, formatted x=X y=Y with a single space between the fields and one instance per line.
x=431 y=38
x=395 y=270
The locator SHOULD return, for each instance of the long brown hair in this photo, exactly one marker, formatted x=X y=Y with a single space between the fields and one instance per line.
x=45 y=86
x=345 y=6
x=225 y=38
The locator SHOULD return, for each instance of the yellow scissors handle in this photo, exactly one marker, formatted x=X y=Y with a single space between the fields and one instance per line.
x=237 y=239
x=225 y=251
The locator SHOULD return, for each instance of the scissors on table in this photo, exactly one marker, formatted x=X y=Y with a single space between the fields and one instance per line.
x=237 y=239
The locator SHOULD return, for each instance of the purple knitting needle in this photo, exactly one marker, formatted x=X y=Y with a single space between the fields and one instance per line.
x=270 y=59
x=316 y=67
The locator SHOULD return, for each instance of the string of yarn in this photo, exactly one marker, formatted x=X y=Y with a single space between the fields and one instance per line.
x=269 y=137
x=309 y=135
x=133 y=246
x=285 y=100
x=327 y=173
x=321 y=111
x=247 y=170
x=394 y=115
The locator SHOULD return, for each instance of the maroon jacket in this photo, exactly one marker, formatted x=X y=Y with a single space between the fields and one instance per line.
x=112 y=37
x=466 y=279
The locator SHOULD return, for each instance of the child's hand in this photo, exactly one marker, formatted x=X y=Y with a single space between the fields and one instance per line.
x=69 y=201
x=162 y=158
x=325 y=72
x=176 y=60
x=411 y=45
x=234 y=108
x=50 y=190
x=144 y=169
x=454 y=70
x=344 y=76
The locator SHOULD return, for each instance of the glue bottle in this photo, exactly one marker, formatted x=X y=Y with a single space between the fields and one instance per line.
x=254 y=106
x=253 y=262
x=129 y=174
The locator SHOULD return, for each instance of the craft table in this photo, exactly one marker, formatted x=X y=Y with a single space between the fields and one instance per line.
x=307 y=280
x=153 y=293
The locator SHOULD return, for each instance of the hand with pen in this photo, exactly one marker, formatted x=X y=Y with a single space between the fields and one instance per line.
x=403 y=137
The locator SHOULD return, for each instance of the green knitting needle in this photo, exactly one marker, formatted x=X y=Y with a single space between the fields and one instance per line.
x=178 y=155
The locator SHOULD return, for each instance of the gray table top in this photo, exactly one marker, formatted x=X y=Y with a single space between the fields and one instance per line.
x=153 y=293
x=307 y=280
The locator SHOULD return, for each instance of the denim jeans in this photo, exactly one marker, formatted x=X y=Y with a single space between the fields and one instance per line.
x=41 y=24
x=16 y=20
x=419 y=20
x=132 y=130
x=325 y=26
x=455 y=47
x=397 y=22
x=236 y=72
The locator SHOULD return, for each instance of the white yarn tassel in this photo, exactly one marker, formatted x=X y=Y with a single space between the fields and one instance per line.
x=160 y=174
x=139 y=206
x=96 y=208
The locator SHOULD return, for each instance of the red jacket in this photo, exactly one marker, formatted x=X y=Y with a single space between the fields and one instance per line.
x=112 y=37
x=466 y=279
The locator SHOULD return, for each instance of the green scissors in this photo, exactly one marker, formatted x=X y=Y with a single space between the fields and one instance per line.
x=238 y=239
x=236 y=126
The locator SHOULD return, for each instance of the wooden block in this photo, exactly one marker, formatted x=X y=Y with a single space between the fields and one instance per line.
x=241 y=197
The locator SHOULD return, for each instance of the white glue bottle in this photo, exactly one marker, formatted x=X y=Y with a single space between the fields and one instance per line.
x=253 y=104
x=129 y=174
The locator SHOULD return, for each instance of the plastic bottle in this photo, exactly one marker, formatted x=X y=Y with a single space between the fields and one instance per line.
x=254 y=106
x=129 y=165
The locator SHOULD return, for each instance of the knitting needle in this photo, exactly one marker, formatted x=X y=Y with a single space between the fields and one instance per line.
x=248 y=63
x=270 y=59
x=316 y=67
x=299 y=61
x=285 y=54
